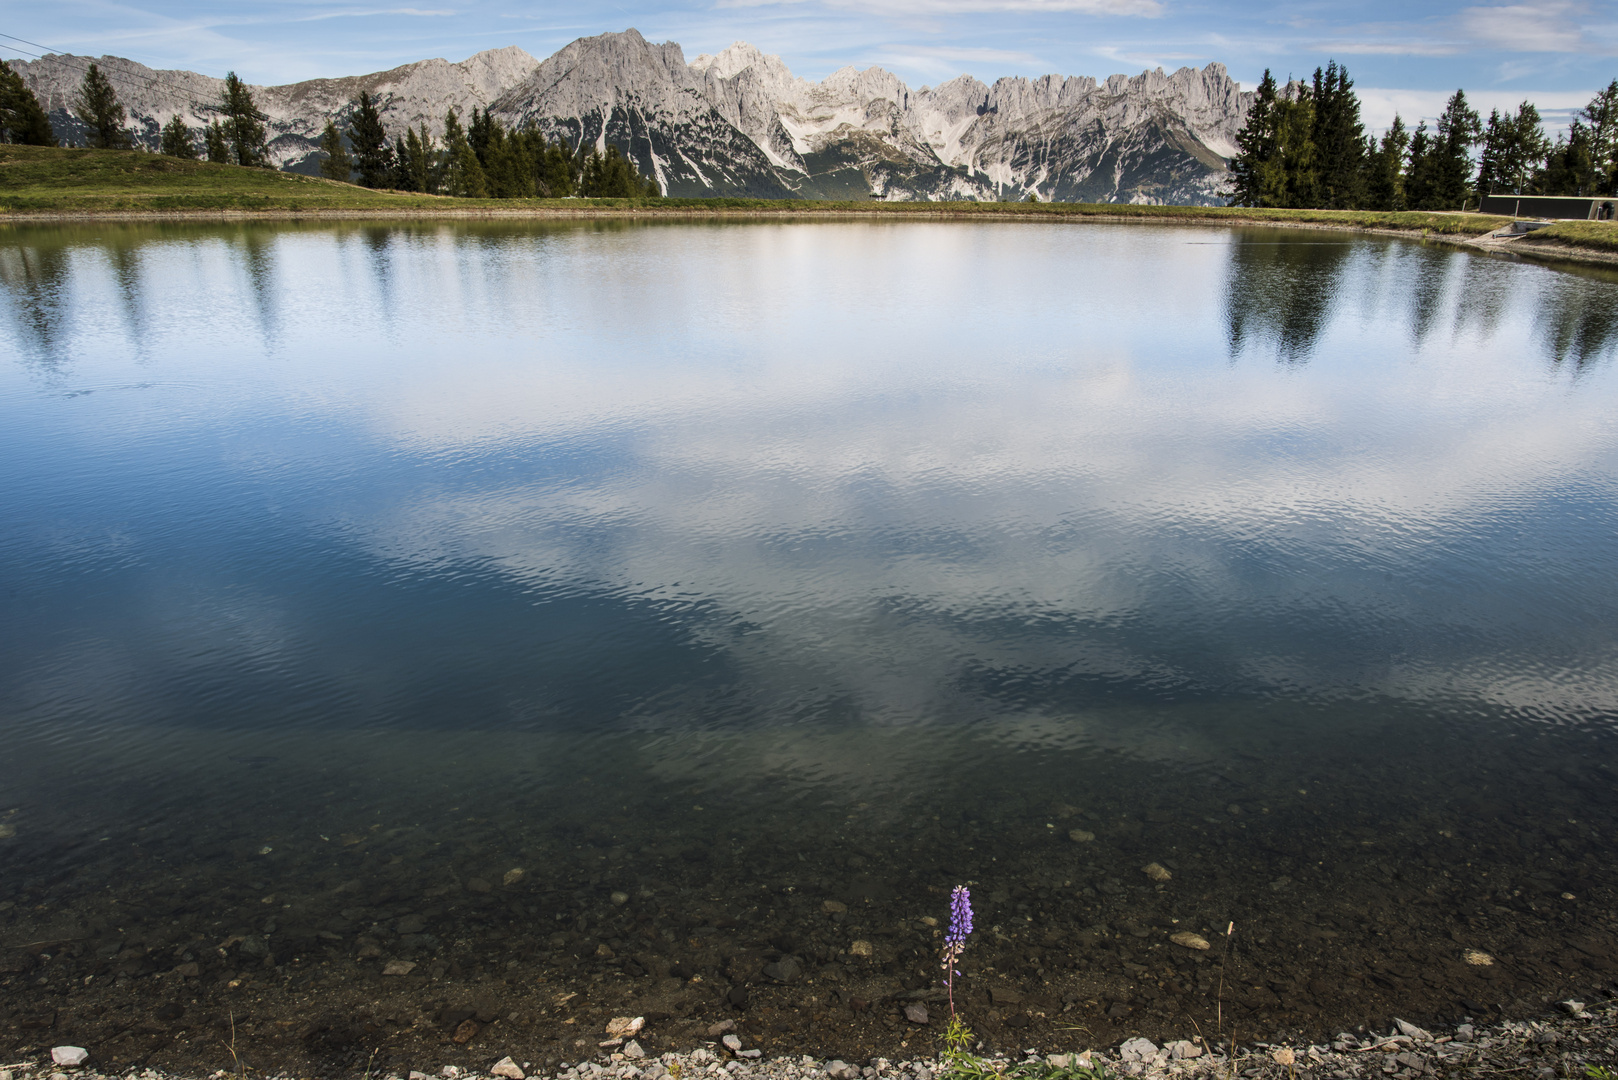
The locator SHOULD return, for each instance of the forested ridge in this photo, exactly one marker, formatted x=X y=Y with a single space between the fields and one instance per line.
x=1304 y=146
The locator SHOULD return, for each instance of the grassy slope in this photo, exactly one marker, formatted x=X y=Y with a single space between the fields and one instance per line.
x=1590 y=235
x=44 y=180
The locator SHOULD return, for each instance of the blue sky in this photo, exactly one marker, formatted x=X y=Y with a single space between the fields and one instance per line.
x=1405 y=56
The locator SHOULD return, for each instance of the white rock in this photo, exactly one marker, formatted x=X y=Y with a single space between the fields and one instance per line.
x=399 y=967
x=70 y=1056
x=839 y=1069
x=1183 y=1049
x=1137 y=1049
x=1412 y=1030
x=754 y=1053
x=1574 y=1008
x=633 y=1050
x=622 y=1027
x=507 y=1068
x=732 y=1042
x=414 y=1075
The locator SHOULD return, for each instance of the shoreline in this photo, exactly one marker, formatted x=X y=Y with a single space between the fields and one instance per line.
x=1550 y=250
x=1579 y=1040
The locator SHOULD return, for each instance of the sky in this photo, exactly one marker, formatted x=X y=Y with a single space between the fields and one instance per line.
x=1404 y=56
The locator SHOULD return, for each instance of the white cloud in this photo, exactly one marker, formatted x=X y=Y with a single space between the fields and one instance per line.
x=1545 y=27
x=1378 y=105
x=1135 y=8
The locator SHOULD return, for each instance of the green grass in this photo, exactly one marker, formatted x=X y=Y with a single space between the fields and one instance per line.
x=1592 y=235
x=46 y=180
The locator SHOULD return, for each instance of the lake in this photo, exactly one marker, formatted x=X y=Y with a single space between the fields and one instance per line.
x=517 y=625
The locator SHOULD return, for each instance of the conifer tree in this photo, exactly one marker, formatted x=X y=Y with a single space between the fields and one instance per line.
x=1601 y=117
x=1459 y=129
x=1569 y=167
x=22 y=121
x=1299 y=157
x=1420 y=182
x=1385 y=168
x=463 y=173
x=372 y=156
x=1339 y=140
x=98 y=109
x=336 y=163
x=1256 y=177
x=217 y=145
x=177 y=140
x=244 y=130
x=1513 y=146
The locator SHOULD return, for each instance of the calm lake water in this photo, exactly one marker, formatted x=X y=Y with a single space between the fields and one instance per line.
x=721 y=578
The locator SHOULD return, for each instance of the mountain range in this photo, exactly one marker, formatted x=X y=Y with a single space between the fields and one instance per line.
x=739 y=123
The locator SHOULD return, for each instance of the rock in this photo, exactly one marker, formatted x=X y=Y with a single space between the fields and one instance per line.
x=466 y=1031
x=478 y=885
x=1574 y=1008
x=1156 y=872
x=755 y=1053
x=737 y=996
x=785 y=970
x=414 y=1075
x=410 y=924
x=507 y=1068
x=1407 y=1028
x=716 y=1030
x=861 y=948
x=1137 y=1049
x=189 y=970
x=70 y=1056
x=1001 y=995
x=833 y=907
x=1465 y=1033
x=399 y=967
x=838 y=1069
x=619 y=898
x=1189 y=940
x=1061 y=1061
x=1183 y=1049
x=512 y=876
x=1477 y=958
x=624 y=1027
x=1080 y=836
x=633 y=1050
x=604 y=951
x=732 y=1041
x=1283 y=1055
x=916 y=1012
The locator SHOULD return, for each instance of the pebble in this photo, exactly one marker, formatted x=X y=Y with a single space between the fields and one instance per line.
x=514 y=875
x=860 y=948
x=1137 y=1049
x=1189 y=940
x=619 y=898
x=838 y=1069
x=716 y=1030
x=399 y=967
x=733 y=1042
x=1156 y=872
x=784 y=970
x=507 y=1068
x=1406 y=1028
x=70 y=1056
x=1477 y=958
x=1080 y=836
x=833 y=907
x=7 y=831
x=633 y=1050
x=1283 y=1055
x=916 y=1012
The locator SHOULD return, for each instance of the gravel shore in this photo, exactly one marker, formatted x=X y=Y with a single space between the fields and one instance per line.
x=1578 y=1042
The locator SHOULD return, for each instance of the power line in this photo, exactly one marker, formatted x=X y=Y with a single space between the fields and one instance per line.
x=68 y=61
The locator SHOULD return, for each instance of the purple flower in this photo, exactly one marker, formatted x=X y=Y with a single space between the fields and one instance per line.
x=960 y=916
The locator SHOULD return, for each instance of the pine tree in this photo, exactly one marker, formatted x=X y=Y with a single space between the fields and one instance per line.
x=464 y=177
x=1299 y=156
x=611 y=176
x=1420 y=182
x=1601 y=117
x=336 y=163
x=217 y=145
x=1569 y=167
x=1256 y=178
x=244 y=130
x=177 y=140
x=372 y=156
x=22 y=121
x=1459 y=129
x=1339 y=139
x=1385 y=169
x=97 y=107
x=1513 y=146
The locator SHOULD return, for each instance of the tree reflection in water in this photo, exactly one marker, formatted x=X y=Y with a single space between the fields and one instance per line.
x=1281 y=291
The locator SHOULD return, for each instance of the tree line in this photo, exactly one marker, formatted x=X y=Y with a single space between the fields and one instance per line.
x=481 y=160
x=1304 y=146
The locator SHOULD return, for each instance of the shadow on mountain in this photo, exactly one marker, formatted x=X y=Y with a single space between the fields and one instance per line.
x=1280 y=293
